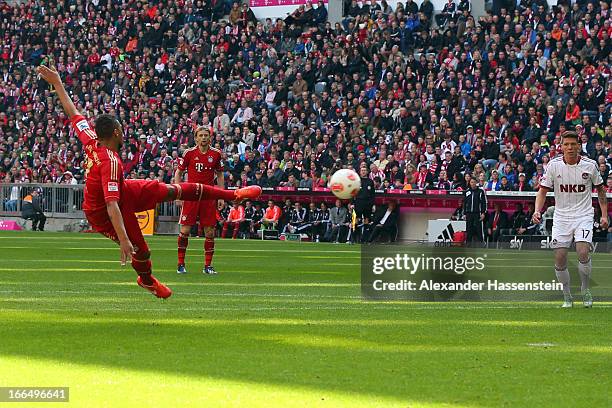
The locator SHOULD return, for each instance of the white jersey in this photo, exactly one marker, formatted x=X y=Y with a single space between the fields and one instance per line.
x=573 y=186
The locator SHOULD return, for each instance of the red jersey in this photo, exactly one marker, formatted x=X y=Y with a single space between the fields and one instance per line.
x=273 y=213
x=236 y=214
x=104 y=174
x=201 y=167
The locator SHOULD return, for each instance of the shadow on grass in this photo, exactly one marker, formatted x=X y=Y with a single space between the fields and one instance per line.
x=436 y=362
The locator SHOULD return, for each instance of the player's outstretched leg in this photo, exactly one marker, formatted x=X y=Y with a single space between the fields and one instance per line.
x=198 y=192
x=146 y=194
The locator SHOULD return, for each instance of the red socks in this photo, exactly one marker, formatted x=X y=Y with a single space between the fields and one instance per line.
x=197 y=192
x=235 y=228
x=142 y=265
x=183 y=242
x=209 y=250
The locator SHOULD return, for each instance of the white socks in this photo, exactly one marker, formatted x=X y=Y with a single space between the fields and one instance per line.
x=584 y=270
x=563 y=276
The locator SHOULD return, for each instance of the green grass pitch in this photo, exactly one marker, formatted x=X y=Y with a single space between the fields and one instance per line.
x=283 y=325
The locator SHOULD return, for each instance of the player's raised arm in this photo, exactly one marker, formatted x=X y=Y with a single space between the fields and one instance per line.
x=50 y=75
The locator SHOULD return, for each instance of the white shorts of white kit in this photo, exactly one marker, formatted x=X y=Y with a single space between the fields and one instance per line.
x=576 y=229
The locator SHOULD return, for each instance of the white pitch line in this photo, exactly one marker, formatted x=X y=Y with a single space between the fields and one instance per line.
x=201 y=283
x=541 y=344
x=367 y=306
x=119 y=268
x=128 y=292
x=330 y=265
x=154 y=249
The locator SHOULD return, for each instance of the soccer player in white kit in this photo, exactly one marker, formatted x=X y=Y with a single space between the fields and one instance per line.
x=572 y=178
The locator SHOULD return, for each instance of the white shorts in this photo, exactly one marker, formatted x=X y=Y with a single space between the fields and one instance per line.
x=578 y=229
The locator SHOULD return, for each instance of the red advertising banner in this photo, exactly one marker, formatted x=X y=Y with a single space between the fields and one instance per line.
x=268 y=3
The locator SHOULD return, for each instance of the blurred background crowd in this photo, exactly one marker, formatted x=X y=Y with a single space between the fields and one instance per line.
x=422 y=101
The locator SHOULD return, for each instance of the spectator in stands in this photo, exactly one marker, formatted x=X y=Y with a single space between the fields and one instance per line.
x=319 y=16
x=458 y=214
x=505 y=184
x=497 y=221
x=305 y=181
x=385 y=223
x=13 y=198
x=518 y=222
x=339 y=222
x=32 y=209
x=522 y=183
x=490 y=152
x=354 y=87
x=494 y=184
x=424 y=178
x=447 y=14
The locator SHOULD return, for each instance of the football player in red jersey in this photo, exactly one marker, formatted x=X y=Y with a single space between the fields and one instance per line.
x=110 y=202
x=202 y=163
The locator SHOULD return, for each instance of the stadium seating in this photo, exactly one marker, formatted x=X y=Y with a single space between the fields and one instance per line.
x=422 y=105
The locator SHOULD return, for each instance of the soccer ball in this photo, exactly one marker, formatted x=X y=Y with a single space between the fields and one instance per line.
x=345 y=184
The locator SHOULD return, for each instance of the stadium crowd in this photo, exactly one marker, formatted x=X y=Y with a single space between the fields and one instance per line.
x=422 y=102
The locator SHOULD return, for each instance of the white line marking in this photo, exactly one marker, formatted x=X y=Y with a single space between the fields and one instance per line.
x=129 y=292
x=541 y=344
x=154 y=249
x=225 y=271
x=367 y=306
x=198 y=284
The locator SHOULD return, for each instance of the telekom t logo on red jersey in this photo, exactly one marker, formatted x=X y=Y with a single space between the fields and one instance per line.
x=199 y=166
x=572 y=188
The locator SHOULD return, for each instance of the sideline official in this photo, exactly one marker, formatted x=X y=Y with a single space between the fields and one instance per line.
x=364 y=201
x=475 y=209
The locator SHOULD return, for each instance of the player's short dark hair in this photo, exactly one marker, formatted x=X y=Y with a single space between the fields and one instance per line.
x=569 y=135
x=105 y=126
